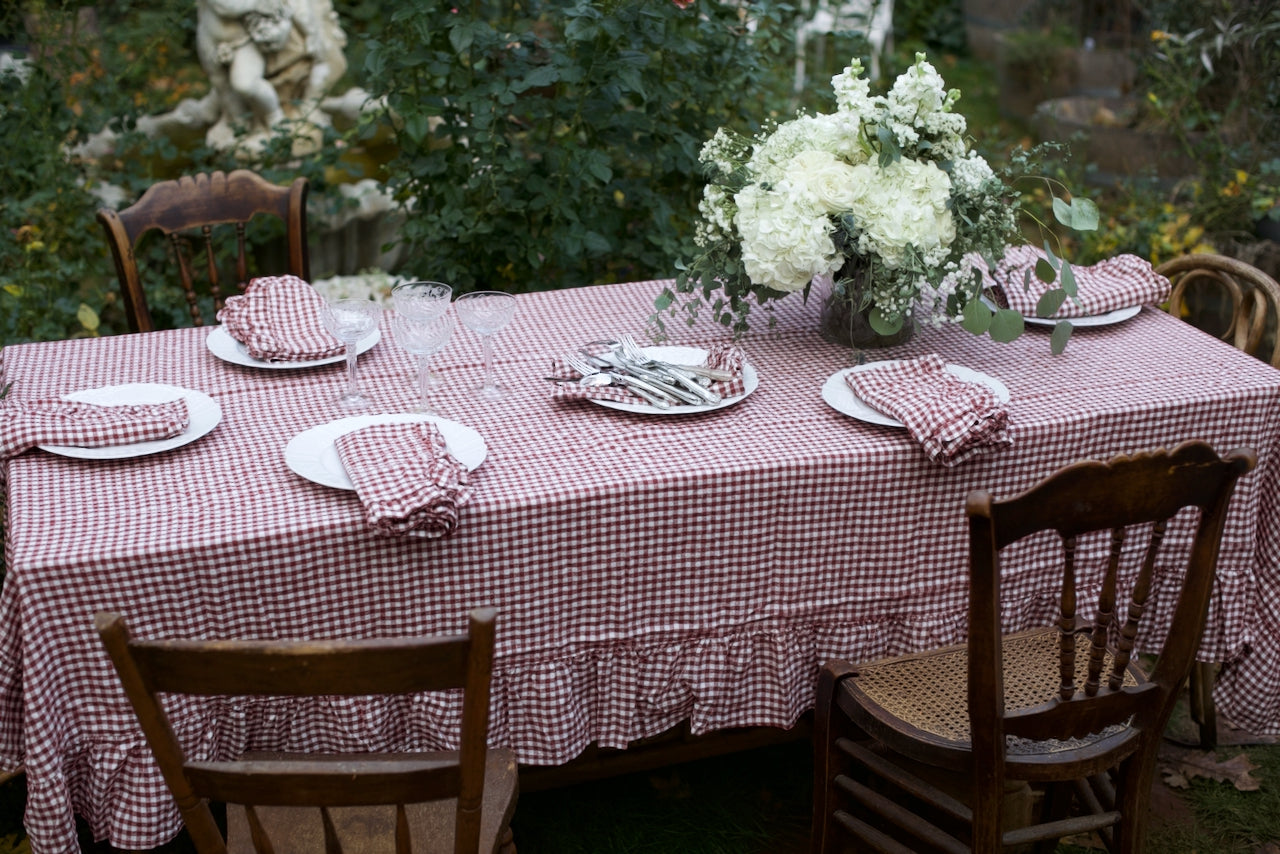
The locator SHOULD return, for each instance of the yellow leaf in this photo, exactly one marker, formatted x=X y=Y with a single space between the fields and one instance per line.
x=88 y=317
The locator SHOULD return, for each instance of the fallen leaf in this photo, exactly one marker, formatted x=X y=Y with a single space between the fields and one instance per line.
x=1178 y=767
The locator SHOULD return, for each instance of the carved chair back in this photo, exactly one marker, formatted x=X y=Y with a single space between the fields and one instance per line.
x=187 y=211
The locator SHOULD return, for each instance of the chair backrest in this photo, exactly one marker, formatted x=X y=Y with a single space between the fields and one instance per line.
x=1133 y=498
x=312 y=668
x=1255 y=297
x=180 y=208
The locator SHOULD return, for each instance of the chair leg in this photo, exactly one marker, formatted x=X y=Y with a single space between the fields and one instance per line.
x=829 y=724
x=1203 y=711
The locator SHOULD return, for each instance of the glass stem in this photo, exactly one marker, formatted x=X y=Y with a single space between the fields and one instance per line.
x=424 y=377
x=352 y=388
x=487 y=346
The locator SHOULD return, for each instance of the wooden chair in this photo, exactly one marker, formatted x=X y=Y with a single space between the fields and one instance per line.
x=456 y=801
x=1065 y=708
x=1255 y=296
x=200 y=202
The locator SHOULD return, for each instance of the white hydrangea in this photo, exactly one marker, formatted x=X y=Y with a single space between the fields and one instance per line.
x=900 y=205
x=785 y=240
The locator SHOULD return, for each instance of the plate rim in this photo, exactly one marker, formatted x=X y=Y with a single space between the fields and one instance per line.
x=229 y=352
x=836 y=382
x=129 y=450
x=295 y=444
x=1118 y=315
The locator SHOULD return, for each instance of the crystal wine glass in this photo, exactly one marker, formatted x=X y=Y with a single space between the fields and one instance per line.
x=485 y=313
x=424 y=300
x=422 y=338
x=349 y=320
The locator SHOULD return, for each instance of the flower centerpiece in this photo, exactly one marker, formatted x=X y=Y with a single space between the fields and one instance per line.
x=884 y=195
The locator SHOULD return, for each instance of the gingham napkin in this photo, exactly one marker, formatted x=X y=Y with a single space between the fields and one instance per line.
x=951 y=418
x=1119 y=282
x=27 y=423
x=721 y=356
x=405 y=477
x=278 y=319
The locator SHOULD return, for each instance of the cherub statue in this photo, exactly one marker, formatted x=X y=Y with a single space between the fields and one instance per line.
x=267 y=60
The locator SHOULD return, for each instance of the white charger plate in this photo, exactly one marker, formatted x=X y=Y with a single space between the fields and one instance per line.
x=1118 y=316
x=228 y=349
x=313 y=455
x=204 y=412
x=840 y=396
x=683 y=356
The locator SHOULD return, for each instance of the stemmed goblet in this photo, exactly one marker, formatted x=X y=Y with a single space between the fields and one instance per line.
x=425 y=300
x=422 y=338
x=349 y=320
x=485 y=313
x=422 y=301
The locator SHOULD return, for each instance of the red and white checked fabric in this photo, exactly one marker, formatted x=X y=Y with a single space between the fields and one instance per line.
x=278 y=319
x=406 y=478
x=27 y=423
x=1119 y=282
x=720 y=356
x=951 y=418
x=647 y=569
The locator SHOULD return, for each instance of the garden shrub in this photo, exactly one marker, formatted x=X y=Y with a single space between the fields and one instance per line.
x=555 y=143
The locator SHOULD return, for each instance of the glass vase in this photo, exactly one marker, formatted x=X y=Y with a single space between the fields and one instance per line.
x=843 y=321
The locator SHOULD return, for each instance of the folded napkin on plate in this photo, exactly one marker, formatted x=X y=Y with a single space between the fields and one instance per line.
x=405 y=477
x=278 y=319
x=721 y=356
x=1119 y=282
x=27 y=423
x=953 y=419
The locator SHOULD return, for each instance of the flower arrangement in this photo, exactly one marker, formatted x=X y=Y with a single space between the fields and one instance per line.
x=884 y=195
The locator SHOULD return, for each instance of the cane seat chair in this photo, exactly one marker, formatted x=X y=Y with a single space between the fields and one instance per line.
x=187 y=211
x=1255 y=299
x=918 y=752
x=447 y=801
x=1254 y=327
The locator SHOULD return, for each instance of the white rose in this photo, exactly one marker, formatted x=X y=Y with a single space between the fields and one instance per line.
x=826 y=177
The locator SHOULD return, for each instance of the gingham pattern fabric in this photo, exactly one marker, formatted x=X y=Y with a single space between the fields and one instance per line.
x=720 y=355
x=647 y=569
x=951 y=418
x=406 y=478
x=278 y=319
x=1119 y=282
x=27 y=423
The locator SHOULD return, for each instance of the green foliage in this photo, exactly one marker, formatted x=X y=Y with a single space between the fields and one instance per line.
x=555 y=143
x=56 y=275
x=1210 y=74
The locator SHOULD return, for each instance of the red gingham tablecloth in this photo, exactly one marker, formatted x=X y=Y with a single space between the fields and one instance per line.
x=646 y=569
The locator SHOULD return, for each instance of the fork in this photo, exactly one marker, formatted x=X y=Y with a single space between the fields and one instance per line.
x=632 y=352
x=640 y=388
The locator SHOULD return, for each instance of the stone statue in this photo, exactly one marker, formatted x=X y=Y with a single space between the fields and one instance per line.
x=268 y=61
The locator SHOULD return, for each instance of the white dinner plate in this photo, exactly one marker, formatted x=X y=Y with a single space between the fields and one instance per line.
x=683 y=356
x=837 y=392
x=228 y=349
x=204 y=412
x=312 y=453
x=1118 y=316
